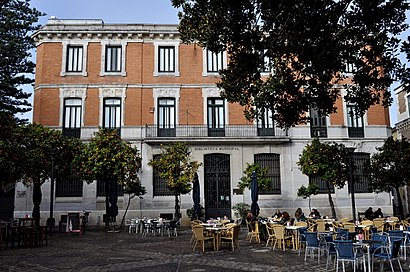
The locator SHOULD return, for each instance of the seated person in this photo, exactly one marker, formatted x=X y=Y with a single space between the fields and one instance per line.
x=285 y=218
x=277 y=216
x=368 y=214
x=378 y=213
x=315 y=213
x=299 y=215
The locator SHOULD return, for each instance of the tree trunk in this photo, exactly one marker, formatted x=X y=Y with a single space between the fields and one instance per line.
x=400 y=203
x=37 y=196
x=107 y=204
x=126 y=210
x=332 y=205
x=177 y=213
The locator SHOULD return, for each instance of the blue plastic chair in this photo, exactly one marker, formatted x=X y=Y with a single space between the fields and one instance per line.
x=346 y=252
x=389 y=253
x=312 y=244
x=342 y=234
x=330 y=249
x=302 y=238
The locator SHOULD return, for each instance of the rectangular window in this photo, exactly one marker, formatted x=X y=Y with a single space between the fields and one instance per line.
x=112 y=113
x=166 y=117
x=266 y=66
x=166 y=59
x=74 y=62
x=72 y=117
x=69 y=187
x=354 y=121
x=160 y=186
x=101 y=189
x=361 y=182
x=265 y=123
x=318 y=126
x=272 y=162
x=322 y=185
x=113 y=56
x=216 y=117
x=214 y=61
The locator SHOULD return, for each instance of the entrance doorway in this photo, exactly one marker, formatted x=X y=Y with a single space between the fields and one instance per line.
x=7 y=202
x=217 y=185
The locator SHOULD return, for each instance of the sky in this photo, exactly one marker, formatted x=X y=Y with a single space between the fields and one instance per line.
x=126 y=11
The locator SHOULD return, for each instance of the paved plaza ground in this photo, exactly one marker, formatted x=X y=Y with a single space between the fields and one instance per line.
x=97 y=250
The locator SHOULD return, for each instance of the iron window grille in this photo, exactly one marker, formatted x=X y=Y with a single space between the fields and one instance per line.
x=272 y=162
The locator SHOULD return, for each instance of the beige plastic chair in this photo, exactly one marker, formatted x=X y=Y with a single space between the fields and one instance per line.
x=321 y=226
x=379 y=224
x=301 y=224
x=349 y=226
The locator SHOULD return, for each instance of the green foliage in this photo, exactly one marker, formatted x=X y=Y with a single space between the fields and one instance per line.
x=241 y=210
x=176 y=167
x=190 y=212
x=308 y=44
x=390 y=166
x=16 y=24
x=328 y=162
x=264 y=184
x=108 y=157
x=307 y=192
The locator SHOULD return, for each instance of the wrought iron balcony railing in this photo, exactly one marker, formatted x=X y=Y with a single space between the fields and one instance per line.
x=201 y=131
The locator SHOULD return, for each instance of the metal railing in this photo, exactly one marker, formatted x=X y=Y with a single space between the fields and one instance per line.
x=201 y=131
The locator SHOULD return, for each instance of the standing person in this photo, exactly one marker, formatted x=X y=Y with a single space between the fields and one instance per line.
x=368 y=214
x=378 y=213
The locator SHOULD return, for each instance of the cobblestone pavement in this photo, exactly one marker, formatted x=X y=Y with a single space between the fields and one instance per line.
x=97 y=250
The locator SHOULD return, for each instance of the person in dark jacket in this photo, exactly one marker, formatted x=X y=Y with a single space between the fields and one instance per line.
x=378 y=213
x=368 y=214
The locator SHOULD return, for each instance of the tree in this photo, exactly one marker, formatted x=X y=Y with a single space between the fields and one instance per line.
x=17 y=20
x=134 y=189
x=307 y=192
x=304 y=46
x=390 y=168
x=175 y=165
x=29 y=159
x=107 y=158
x=327 y=162
x=264 y=183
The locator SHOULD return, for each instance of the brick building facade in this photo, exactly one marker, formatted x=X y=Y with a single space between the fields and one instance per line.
x=141 y=80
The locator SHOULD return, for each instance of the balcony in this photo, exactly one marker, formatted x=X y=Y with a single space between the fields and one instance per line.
x=203 y=131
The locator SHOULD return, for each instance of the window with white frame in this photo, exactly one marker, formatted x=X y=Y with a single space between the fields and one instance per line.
x=72 y=117
x=74 y=59
x=113 y=58
x=216 y=117
x=214 y=61
x=166 y=59
x=112 y=113
x=265 y=122
x=354 y=121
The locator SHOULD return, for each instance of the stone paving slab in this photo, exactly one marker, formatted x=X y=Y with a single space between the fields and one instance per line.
x=97 y=250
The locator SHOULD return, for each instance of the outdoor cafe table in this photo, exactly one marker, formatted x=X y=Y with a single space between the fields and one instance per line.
x=366 y=244
x=216 y=235
x=295 y=233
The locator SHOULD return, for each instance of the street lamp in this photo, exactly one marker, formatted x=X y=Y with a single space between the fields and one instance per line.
x=351 y=180
x=51 y=222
